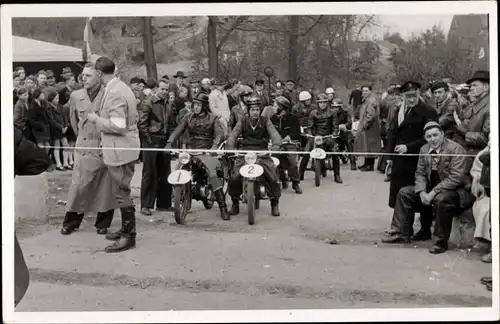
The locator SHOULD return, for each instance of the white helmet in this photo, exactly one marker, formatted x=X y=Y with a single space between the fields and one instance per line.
x=304 y=96
x=329 y=91
x=205 y=81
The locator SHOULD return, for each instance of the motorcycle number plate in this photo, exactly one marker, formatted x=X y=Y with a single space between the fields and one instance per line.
x=318 y=153
x=251 y=170
x=179 y=177
x=276 y=161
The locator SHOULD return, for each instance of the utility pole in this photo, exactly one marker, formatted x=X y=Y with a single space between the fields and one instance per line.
x=149 y=50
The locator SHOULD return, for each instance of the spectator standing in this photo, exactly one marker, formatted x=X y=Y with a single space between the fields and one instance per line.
x=368 y=133
x=58 y=128
x=355 y=99
x=219 y=104
x=445 y=107
x=406 y=135
x=156 y=122
x=38 y=119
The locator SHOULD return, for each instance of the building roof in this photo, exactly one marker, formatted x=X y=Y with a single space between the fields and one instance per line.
x=32 y=50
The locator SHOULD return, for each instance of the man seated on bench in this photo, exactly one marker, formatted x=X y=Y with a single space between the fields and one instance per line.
x=439 y=185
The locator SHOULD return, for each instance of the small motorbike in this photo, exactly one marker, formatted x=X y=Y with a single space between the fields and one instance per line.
x=284 y=172
x=253 y=190
x=190 y=181
x=318 y=156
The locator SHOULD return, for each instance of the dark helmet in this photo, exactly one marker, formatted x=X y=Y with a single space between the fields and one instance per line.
x=321 y=97
x=202 y=97
x=254 y=101
x=283 y=103
x=337 y=103
x=244 y=90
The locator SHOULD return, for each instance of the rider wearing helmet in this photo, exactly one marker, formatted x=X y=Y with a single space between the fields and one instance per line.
x=330 y=93
x=288 y=126
x=205 y=132
x=256 y=131
x=244 y=92
x=322 y=122
x=303 y=109
x=345 y=141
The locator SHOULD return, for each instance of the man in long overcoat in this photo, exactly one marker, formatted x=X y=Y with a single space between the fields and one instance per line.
x=116 y=120
x=368 y=135
x=406 y=136
x=91 y=187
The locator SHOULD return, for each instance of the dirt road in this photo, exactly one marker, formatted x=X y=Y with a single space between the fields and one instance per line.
x=278 y=263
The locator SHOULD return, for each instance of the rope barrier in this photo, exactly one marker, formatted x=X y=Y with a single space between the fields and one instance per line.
x=173 y=150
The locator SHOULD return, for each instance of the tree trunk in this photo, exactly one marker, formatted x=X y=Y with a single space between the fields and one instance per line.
x=149 y=51
x=213 y=59
x=293 y=46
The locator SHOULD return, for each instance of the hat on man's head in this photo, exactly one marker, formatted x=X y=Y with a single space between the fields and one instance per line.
x=50 y=74
x=410 y=86
x=180 y=74
x=165 y=77
x=194 y=80
x=259 y=82
x=135 y=80
x=483 y=76
x=439 y=85
x=219 y=82
x=432 y=124
x=205 y=81
x=50 y=93
x=290 y=81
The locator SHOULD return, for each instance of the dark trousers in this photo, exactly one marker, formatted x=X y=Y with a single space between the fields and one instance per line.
x=269 y=179
x=74 y=220
x=289 y=162
x=369 y=161
x=329 y=146
x=444 y=206
x=155 y=171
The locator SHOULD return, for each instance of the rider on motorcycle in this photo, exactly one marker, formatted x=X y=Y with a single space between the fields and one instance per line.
x=330 y=93
x=302 y=110
x=288 y=126
x=205 y=132
x=255 y=131
x=345 y=141
x=323 y=122
x=244 y=92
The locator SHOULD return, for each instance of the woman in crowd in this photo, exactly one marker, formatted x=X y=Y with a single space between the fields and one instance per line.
x=68 y=157
x=58 y=128
x=38 y=120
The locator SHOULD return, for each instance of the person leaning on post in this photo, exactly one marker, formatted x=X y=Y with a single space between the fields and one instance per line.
x=439 y=187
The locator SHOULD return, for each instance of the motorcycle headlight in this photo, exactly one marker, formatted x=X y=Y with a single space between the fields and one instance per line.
x=250 y=158
x=318 y=140
x=184 y=158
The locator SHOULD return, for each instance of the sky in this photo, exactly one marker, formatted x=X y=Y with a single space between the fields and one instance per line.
x=406 y=25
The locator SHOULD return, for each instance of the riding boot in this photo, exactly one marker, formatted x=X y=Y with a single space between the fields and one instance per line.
x=275 y=207
x=235 y=207
x=336 y=169
x=297 y=188
x=221 y=201
x=128 y=232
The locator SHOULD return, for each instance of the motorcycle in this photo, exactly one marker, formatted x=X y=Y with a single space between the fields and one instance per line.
x=190 y=181
x=318 y=156
x=253 y=190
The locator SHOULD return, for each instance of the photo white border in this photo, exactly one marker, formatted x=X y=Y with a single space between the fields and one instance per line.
x=334 y=315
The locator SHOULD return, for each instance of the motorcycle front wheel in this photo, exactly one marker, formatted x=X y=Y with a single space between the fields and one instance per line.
x=251 y=202
x=182 y=202
x=317 y=172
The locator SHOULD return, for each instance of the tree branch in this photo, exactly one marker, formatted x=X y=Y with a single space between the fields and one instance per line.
x=224 y=38
x=312 y=26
